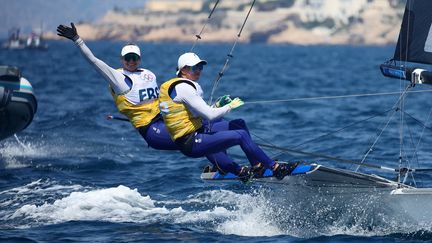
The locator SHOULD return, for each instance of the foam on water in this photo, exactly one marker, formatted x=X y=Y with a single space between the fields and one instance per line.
x=309 y=215
x=226 y=211
x=19 y=154
x=38 y=192
x=233 y=213
x=40 y=186
x=119 y=204
x=15 y=154
x=255 y=213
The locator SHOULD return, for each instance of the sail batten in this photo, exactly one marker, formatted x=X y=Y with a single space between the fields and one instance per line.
x=415 y=37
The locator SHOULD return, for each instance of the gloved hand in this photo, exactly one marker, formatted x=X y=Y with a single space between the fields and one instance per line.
x=222 y=101
x=235 y=103
x=68 y=32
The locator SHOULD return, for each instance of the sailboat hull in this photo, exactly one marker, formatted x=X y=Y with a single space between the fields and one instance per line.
x=412 y=202
x=324 y=179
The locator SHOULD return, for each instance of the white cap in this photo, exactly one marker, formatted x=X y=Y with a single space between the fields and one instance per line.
x=130 y=48
x=188 y=59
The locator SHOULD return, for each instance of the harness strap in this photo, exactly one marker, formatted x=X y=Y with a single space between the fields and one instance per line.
x=185 y=143
x=172 y=86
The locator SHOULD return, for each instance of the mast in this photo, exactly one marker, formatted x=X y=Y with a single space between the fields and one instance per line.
x=414 y=47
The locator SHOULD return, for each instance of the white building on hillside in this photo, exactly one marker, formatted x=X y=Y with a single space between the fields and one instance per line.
x=339 y=10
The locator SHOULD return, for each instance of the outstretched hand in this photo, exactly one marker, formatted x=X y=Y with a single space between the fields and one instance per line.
x=68 y=32
x=236 y=103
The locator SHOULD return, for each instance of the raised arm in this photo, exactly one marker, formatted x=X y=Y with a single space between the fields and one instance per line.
x=114 y=77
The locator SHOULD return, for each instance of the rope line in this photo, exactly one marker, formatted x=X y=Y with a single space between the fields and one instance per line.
x=346 y=161
x=343 y=128
x=420 y=122
x=335 y=97
x=229 y=56
x=402 y=98
x=198 y=36
x=336 y=131
x=398 y=103
x=316 y=155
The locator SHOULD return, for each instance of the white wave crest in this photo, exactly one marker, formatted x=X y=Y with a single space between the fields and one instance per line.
x=251 y=213
x=119 y=204
x=233 y=213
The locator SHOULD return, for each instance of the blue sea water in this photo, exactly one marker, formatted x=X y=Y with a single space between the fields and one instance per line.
x=75 y=176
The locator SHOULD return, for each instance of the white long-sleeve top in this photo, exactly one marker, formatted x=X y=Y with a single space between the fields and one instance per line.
x=184 y=92
x=192 y=98
x=115 y=77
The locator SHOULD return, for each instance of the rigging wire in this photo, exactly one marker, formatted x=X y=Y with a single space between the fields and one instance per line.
x=346 y=161
x=416 y=147
x=386 y=125
x=374 y=143
x=409 y=164
x=420 y=122
x=343 y=128
x=401 y=105
x=334 y=132
x=361 y=163
x=317 y=155
x=401 y=131
x=229 y=56
x=334 y=97
x=198 y=36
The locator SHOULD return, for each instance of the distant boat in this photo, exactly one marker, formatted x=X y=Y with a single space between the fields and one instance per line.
x=33 y=41
x=17 y=102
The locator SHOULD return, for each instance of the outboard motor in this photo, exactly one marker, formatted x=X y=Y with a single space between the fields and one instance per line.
x=5 y=96
x=10 y=73
x=17 y=102
x=10 y=78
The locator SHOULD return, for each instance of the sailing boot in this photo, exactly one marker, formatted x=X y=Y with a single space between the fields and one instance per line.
x=245 y=174
x=209 y=169
x=258 y=170
x=284 y=169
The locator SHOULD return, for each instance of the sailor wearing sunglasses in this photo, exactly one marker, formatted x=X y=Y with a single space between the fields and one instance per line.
x=198 y=129
x=135 y=90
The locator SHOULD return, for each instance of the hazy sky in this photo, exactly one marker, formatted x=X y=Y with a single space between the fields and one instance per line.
x=30 y=14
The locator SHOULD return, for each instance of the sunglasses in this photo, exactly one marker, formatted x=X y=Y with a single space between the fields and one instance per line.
x=198 y=67
x=131 y=56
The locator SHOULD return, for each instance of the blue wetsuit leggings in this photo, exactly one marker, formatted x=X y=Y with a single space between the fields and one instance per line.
x=221 y=135
x=157 y=136
x=212 y=143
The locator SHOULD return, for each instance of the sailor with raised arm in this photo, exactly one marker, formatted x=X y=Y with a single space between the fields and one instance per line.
x=135 y=90
x=198 y=130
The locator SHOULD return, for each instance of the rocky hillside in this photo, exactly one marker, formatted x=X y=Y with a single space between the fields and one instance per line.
x=272 y=21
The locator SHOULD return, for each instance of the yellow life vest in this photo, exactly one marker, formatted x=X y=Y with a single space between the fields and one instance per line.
x=139 y=115
x=177 y=117
x=142 y=113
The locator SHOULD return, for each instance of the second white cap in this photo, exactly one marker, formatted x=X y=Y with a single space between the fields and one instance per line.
x=188 y=59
